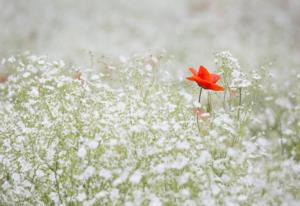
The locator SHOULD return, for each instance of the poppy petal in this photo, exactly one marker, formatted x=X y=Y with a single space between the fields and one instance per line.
x=194 y=72
x=214 y=77
x=216 y=87
x=202 y=82
x=192 y=78
x=203 y=73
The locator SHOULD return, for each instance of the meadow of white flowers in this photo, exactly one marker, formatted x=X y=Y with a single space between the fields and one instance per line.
x=126 y=134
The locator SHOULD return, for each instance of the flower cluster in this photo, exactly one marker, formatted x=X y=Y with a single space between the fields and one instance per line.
x=231 y=69
x=125 y=135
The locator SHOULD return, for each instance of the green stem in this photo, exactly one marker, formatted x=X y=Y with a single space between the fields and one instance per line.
x=199 y=100
x=225 y=91
x=240 y=103
x=209 y=106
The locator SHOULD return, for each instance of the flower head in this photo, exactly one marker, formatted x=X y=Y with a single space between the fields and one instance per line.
x=205 y=79
x=3 y=78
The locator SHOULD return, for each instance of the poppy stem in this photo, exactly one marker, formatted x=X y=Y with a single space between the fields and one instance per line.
x=200 y=95
x=240 y=103
x=199 y=100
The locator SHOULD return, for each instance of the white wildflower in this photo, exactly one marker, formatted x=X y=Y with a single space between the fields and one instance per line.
x=121 y=179
x=16 y=177
x=136 y=177
x=92 y=144
x=11 y=59
x=106 y=174
x=239 y=80
x=81 y=196
x=155 y=201
x=182 y=145
x=81 y=152
x=88 y=172
x=114 y=194
x=225 y=60
x=26 y=74
x=34 y=92
x=39 y=173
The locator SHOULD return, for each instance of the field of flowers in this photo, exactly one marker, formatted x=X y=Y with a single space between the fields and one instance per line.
x=127 y=135
x=143 y=107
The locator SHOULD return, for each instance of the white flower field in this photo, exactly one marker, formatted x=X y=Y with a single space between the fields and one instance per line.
x=96 y=108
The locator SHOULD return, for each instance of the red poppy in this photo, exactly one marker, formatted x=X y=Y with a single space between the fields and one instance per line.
x=3 y=78
x=78 y=76
x=200 y=113
x=205 y=79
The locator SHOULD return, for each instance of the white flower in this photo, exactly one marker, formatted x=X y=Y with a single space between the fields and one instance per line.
x=106 y=174
x=88 y=172
x=81 y=152
x=11 y=59
x=34 y=92
x=239 y=80
x=225 y=60
x=16 y=177
x=26 y=74
x=39 y=173
x=136 y=177
x=81 y=196
x=155 y=202
x=92 y=144
x=182 y=145
x=114 y=194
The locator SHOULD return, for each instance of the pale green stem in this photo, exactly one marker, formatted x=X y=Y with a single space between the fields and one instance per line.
x=197 y=116
x=240 y=103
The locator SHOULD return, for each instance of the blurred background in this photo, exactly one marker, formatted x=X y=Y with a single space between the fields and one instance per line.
x=256 y=32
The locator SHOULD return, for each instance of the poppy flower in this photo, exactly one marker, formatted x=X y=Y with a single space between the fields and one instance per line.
x=200 y=113
x=205 y=79
x=3 y=78
x=78 y=76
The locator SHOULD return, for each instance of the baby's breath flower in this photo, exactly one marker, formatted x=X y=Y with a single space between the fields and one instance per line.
x=133 y=141
x=226 y=61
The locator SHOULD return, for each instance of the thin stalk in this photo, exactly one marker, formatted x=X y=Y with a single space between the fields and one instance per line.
x=225 y=91
x=240 y=103
x=209 y=106
x=281 y=144
x=199 y=100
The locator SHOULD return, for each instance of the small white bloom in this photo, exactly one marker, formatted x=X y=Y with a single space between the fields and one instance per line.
x=155 y=202
x=54 y=197
x=11 y=59
x=39 y=173
x=182 y=145
x=114 y=194
x=204 y=157
x=215 y=189
x=34 y=92
x=81 y=152
x=239 y=80
x=92 y=144
x=81 y=196
x=160 y=168
x=26 y=74
x=6 y=185
x=16 y=177
x=136 y=177
x=106 y=174
x=121 y=179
